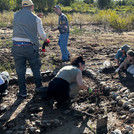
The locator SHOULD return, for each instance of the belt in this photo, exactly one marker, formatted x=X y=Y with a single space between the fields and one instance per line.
x=30 y=44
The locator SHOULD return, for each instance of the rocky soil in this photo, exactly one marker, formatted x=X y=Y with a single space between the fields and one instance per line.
x=110 y=110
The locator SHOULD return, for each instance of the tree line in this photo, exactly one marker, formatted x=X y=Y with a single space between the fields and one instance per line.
x=47 y=5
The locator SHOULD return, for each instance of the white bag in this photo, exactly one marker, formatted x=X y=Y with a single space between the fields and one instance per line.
x=1 y=80
x=5 y=76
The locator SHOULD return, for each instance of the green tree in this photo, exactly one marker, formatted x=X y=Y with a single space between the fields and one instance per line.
x=7 y=4
x=40 y=4
x=88 y=1
x=50 y=4
x=103 y=4
x=65 y=2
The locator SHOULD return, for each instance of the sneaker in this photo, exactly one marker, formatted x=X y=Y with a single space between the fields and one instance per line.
x=5 y=93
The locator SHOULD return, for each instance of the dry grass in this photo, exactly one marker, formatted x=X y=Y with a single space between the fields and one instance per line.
x=6 y=18
x=50 y=20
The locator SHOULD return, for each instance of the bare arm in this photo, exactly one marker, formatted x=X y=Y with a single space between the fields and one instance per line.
x=80 y=82
x=118 y=62
x=124 y=64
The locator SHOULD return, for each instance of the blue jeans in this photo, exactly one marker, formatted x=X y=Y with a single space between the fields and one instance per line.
x=22 y=54
x=63 y=40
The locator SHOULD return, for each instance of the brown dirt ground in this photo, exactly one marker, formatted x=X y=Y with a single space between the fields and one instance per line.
x=96 y=44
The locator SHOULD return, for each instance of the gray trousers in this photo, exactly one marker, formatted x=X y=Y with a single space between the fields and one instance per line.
x=21 y=54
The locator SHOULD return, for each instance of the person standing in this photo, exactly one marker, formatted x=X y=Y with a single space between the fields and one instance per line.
x=63 y=27
x=26 y=28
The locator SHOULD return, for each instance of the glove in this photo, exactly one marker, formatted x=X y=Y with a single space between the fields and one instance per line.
x=46 y=42
x=117 y=70
x=90 y=90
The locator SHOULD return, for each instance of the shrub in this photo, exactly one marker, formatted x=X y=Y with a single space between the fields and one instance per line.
x=121 y=23
x=80 y=19
x=6 y=18
x=50 y=20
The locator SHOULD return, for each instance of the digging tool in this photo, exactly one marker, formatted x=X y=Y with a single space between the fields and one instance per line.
x=46 y=43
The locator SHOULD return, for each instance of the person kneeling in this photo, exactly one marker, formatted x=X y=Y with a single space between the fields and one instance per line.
x=128 y=61
x=68 y=81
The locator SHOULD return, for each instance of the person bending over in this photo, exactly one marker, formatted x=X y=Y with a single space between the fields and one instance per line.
x=68 y=81
x=128 y=61
x=121 y=54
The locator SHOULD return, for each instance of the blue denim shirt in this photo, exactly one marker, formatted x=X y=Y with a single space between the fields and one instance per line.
x=119 y=55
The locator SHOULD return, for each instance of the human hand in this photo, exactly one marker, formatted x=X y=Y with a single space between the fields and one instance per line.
x=41 y=15
x=46 y=42
x=90 y=90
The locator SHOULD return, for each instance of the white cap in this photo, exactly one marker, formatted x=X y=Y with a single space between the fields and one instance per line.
x=27 y=3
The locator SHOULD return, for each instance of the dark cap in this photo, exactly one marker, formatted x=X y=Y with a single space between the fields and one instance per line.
x=57 y=6
x=125 y=47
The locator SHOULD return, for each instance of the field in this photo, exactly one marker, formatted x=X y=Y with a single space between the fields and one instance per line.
x=97 y=44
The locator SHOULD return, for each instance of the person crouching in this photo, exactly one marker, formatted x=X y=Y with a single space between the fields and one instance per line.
x=68 y=81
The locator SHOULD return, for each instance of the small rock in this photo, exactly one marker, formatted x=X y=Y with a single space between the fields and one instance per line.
x=123 y=116
x=129 y=128
x=124 y=131
x=38 y=123
x=127 y=91
x=114 y=95
x=131 y=95
x=33 y=123
x=114 y=103
x=131 y=100
x=116 y=132
x=106 y=91
x=90 y=110
x=131 y=110
x=32 y=129
x=37 y=131
x=125 y=98
x=126 y=104
x=130 y=132
x=121 y=102
x=123 y=89
x=118 y=98
x=125 y=95
x=3 y=108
